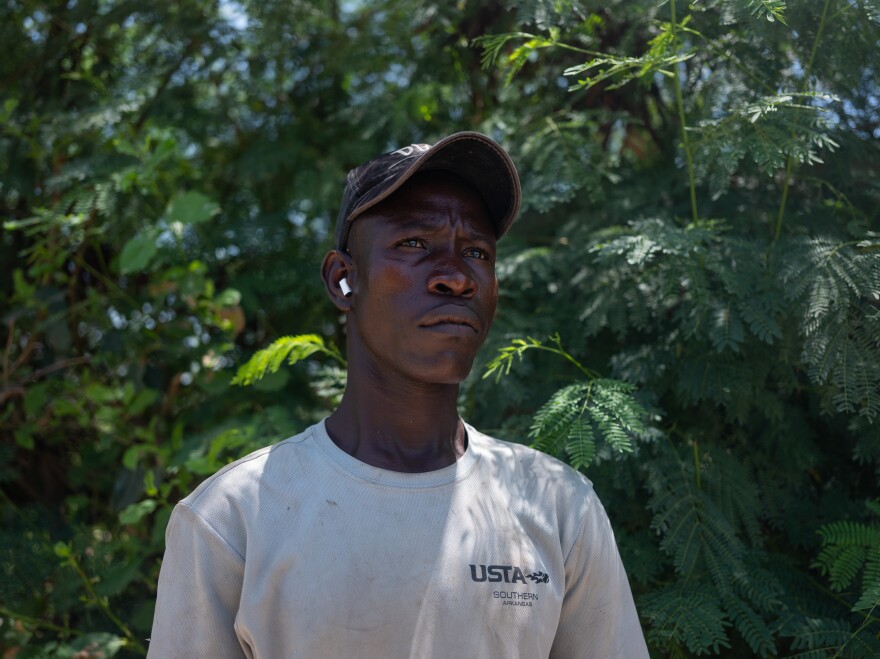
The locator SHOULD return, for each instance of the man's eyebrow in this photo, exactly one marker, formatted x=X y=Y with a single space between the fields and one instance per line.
x=485 y=237
x=422 y=225
x=428 y=226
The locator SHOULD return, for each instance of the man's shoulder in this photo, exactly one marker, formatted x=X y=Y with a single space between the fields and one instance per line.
x=243 y=479
x=527 y=468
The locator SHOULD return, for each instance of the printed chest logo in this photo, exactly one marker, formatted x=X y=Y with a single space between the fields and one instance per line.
x=510 y=574
x=506 y=574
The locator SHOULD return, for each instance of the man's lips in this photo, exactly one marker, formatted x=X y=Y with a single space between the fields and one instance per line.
x=450 y=317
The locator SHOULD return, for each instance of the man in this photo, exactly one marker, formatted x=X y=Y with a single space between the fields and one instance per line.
x=392 y=528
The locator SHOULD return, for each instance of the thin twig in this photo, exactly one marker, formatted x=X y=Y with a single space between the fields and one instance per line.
x=8 y=350
x=29 y=347
x=36 y=622
x=61 y=363
x=679 y=102
x=789 y=162
x=18 y=389
x=102 y=604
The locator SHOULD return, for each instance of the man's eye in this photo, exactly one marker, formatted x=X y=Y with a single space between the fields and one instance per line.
x=412 y=242
x=476 y=253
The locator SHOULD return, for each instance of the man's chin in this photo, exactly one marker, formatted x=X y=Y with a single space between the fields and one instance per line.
x=446 y=369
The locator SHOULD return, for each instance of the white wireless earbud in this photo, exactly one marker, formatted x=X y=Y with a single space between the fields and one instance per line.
x=346 y=289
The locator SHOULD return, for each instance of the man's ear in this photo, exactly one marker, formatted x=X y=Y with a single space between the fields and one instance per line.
x=336 y=267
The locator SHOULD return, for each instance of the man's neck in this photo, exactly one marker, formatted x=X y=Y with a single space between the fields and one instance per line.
x=399 y=425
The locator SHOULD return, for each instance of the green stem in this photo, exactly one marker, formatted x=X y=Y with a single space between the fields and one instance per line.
x=679 y=102
x=839 y=247
x=109 y=283
x=552 y=42
x=733 y=59
x=36 y=622
x=559 y=351
x=562 y=353
x=867 y=621
x=696 y=446
x=592 y=53
x=104 y=606
x=837 y=193
x=789 y=161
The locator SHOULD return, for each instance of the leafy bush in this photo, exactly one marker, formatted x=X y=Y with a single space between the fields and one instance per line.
x=700 y=232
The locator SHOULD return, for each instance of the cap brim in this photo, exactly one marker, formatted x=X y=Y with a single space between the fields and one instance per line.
x=477 y=159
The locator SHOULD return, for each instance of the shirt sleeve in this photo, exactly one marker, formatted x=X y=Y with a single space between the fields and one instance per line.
x=199 y=592
x=598 y=617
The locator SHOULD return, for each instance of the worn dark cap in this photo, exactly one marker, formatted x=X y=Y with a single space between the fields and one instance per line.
x=477 y=159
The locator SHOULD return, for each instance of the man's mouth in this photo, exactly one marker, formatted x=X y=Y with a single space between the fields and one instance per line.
x=452 y=322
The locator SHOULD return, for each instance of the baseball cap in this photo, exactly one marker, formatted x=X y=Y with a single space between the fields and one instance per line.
x=477 y=159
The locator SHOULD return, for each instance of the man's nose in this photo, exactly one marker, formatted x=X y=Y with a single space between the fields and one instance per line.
x=450 y=277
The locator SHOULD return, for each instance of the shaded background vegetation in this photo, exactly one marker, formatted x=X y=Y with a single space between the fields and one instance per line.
x=700 y=221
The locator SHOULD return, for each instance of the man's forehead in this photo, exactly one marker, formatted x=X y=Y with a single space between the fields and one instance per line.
x=429 y=201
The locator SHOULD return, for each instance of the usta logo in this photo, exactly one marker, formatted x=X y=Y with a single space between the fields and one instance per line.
x=507 y=574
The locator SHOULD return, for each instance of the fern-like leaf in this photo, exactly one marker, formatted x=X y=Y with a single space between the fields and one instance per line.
x=771 y=9
x=579 y=414
x=506 y=356
x=750 y=625
x=685 y=614
x=814 y=633
x=555 y=418
x=661 y=57
x=580 y=444
x=493 y=44
x=617 y=413
x=290 y=348
x=850 y=549
x=870 y=597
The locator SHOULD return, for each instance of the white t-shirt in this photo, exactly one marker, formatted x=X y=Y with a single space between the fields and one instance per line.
x=300 y=550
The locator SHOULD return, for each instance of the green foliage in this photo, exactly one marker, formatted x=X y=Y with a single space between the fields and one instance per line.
x=685 y=617
x=576 y=415
x=98 y=644
x=612 y=71
x=506 y=356
x=699 y=222
x=492 y=45
x=579 y=414
x=851 y=549
x=836 y=284
x=770 y=9
x=290 y=348
x=750 y=330
x=767 y=130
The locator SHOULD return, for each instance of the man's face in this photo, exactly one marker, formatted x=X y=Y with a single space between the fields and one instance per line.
x=426 y=294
